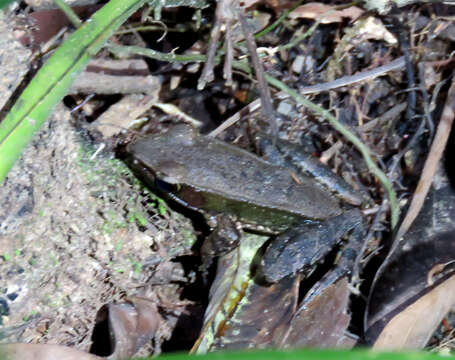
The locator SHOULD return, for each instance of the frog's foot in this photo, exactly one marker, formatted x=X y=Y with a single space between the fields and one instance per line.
x=348 y=265
x=224 y=238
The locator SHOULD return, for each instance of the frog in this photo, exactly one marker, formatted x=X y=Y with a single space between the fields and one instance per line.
x=221 y=180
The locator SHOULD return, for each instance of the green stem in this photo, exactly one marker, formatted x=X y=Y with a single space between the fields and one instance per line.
x=123 y=51
x=70 y=14
x=148 y=28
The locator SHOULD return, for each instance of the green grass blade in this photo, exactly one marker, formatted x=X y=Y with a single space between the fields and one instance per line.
x=50 y=84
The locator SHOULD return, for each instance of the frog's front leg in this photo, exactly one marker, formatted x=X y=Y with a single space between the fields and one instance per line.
x=300 y=248
x=224 y=238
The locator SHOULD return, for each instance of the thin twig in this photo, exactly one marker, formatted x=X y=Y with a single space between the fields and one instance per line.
x=426 y=99
x=227 y=70
x=426 y=119
x=266 y=99
x=331 y=85
x=406 y=48
x=144 y=28
x=207 y=72
x=348 y=80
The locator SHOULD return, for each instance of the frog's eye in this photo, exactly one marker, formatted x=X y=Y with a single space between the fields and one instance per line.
x=165 y=186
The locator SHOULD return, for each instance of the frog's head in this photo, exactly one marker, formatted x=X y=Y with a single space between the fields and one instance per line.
x=159 y=155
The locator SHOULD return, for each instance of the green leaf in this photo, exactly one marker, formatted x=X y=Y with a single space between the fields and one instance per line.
x=3 y=3
x=307 y=354
x=50 y=84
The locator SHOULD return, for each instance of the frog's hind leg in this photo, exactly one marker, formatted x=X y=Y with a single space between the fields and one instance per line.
x=285 y=154
x=303 y=246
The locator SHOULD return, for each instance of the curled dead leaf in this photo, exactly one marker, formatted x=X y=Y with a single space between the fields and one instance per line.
x=325 y=13
x=435 y=270
x=132 y=324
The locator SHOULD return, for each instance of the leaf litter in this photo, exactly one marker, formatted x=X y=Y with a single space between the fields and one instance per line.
x=376 y=107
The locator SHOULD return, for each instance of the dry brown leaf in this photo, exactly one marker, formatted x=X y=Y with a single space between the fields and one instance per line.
x=238 y=304
x=249 y=3
x=352 y=12
x=415 y=266
x=325 y=13
x=131 y=325
x=413 y=327
x=279 y=5
x=372 y=28
x=423 y=187
x=276 y=5
x=327 y=314
x=121 y=115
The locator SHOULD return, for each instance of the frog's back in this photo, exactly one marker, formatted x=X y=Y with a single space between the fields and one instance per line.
x=230 y=173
